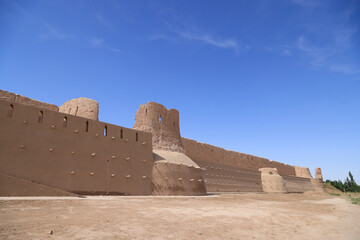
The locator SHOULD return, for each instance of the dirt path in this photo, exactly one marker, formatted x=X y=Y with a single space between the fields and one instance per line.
x=240 y=216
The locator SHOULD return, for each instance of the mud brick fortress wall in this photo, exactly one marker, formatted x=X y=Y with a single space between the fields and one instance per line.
x=72 y=153
x=51 y=150
x=223 y=178
x=209 y=153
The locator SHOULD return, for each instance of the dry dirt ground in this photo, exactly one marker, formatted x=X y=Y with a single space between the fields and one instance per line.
x=228 y=216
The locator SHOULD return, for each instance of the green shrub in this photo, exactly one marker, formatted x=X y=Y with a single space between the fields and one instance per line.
x=349 y=184
x=355 y=201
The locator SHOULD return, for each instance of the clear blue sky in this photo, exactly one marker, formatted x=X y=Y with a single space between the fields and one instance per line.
x=277 y=79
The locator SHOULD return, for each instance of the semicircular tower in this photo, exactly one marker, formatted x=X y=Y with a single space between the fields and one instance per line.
x=162 y=123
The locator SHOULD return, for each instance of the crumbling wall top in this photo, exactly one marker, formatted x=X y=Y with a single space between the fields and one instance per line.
x=303 y=172
x=16 y=98
x=318 y=174
x=81 y=107
x=162 y=123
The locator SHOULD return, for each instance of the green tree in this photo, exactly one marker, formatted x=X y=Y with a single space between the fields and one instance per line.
x=349 y=184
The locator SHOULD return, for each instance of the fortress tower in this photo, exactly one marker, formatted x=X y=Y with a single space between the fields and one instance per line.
x=173 y=173
x=162 y=123
x=81 y=107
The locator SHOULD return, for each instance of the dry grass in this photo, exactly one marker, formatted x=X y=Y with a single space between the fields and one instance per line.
x=353 y=197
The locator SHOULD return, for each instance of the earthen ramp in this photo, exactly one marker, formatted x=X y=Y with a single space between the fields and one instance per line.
x=176 y=174
x=14 y=186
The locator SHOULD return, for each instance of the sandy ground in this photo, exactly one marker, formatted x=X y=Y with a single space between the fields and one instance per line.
x=237 y=216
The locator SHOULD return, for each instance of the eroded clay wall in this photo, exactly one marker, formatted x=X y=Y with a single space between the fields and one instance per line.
x=221 y=178
x=162 y=123
x=15 y=98
x=303 y=172
x=82 y=107
x=73 y=153
x=209 y=153
x=271 y=181
x=297 y=184
x=177 y=179
x=318 y=174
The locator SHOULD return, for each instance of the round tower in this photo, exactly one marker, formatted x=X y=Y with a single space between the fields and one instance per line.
x=162 y=123
x=81 y=107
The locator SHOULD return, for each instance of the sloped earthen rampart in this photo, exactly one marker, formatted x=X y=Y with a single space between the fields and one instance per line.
x=209 y=153
x=297 y=184
x=176 y=174
x=222 y=178
x=74 y=154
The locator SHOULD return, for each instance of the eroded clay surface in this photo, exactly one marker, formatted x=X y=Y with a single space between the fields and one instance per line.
x=81 y=107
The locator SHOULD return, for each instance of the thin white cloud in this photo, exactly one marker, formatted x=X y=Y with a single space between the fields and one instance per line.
x=19 y=8
x=335 y=49
x=116 y=50
x=208 y=39
x=53 y=33
x=345 y=69
x=287 y=52
x=49 y=32
x=193 y=36
x=161 y=37
x=306 y=3
x=96 y=41
x=230 y=43
x=103 y=21
x=327 y=56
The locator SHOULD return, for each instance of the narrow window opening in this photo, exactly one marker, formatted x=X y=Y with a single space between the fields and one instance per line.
x=105 y=130
x=77 y=108
x=174 y=125
x=10 y=110
x=160 y=119
x=87 y=126
x=121 y=133
x=137 y=136
x=40 y=118
x=65 y=122
x=145 y=111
